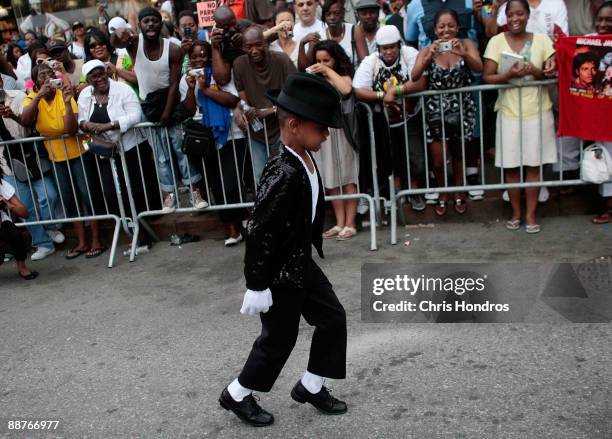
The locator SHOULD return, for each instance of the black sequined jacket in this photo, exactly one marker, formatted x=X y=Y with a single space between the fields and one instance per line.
x=280 y=233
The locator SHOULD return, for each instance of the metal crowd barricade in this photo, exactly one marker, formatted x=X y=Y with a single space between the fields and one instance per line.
x=486 y=184
x=33 y=192
x=173 y=168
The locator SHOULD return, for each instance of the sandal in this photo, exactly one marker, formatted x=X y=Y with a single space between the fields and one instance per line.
x=30 y=276
x=440 y=208
x=74 y=253
x=333 y=232
x=513 y=224
x=95 y=252
x=346 y=234
x=533 y=228
x=460 y=206
x=604 y=218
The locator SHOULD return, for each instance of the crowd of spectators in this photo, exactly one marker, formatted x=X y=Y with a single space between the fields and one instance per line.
x=98 y=82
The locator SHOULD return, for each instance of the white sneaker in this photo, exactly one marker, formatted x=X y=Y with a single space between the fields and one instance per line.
x=197 y=200
x=432 y=197
x=230 y=242
x=56 y=236
x=506 y=197
x=544 y=194
x=169 y=205
x=42 y=253
x=363 y=206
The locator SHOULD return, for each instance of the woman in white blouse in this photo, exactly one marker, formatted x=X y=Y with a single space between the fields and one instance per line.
x=109 y=109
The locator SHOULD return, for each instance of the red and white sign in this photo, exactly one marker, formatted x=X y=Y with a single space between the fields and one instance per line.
x=206 y=12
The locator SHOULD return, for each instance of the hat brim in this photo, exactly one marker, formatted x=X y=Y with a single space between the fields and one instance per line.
x=304 y=110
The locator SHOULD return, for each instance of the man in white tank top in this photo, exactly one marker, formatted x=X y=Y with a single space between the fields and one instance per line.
x=158 y=64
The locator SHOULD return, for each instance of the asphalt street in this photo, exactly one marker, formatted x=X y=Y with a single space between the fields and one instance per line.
x=143 y=350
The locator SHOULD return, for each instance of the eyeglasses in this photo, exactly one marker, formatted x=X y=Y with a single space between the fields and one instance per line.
x=94 y=45
x=30 y=39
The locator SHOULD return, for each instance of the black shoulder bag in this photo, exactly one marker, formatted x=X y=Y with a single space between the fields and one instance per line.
x=198 y=140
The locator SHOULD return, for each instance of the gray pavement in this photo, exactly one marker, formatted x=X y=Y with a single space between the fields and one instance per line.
x=144 y=349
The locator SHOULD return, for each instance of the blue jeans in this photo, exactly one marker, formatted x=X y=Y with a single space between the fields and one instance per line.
x=259 y=156
x=163 y=154
x=81 y=181
x=46 y=197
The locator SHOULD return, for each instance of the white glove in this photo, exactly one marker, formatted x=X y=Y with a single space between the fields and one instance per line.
x=256 y=301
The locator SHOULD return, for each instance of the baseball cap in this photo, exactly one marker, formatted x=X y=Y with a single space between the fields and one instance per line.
x=117 y=23
x=91 y=65
x=387 y=34
x=55 y=45
x=367 y=4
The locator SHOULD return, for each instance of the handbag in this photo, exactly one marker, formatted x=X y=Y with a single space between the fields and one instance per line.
x=351 y=114
x=101 y=147
x=26 y=165
x=198 y=140
x=154 y=104
x=452 y=124
x=596 y=166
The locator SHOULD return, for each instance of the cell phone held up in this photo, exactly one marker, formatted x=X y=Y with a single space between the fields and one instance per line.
x=187 y=32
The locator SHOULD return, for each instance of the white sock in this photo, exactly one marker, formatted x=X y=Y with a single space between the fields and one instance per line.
x=312 y=382
x=237 y=392
x=470 y=170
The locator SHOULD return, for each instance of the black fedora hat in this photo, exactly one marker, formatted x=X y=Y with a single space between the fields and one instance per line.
x=310 y=97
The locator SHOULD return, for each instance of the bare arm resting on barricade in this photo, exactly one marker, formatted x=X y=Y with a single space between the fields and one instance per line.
x=491 y=76
x=15 y=206
x=221 y=97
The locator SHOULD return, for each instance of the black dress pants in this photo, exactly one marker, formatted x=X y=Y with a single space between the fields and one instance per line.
x=320 y=307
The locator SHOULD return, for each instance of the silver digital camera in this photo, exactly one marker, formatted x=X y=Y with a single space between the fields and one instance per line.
x=196 y=72
x=445 y=46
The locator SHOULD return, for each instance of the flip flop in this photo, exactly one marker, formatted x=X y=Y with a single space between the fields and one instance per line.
x=346 y=234
x=95 y=252
x=513 y=224
x=33 y=275
x=73 y=254
x=533 y=228
x=332 y=233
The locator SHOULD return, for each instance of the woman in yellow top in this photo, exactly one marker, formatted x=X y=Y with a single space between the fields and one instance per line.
x=53 y=112
x=525 y=132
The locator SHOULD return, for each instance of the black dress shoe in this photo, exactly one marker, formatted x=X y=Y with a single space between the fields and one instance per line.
x=322 y=401
x=248 y=410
